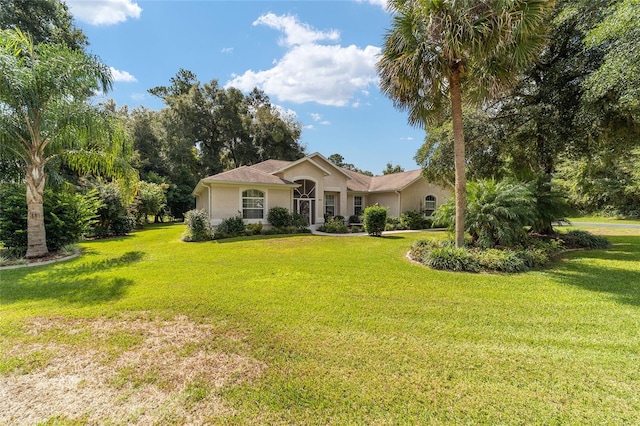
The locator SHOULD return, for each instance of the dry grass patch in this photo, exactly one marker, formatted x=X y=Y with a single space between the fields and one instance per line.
x=121 y=371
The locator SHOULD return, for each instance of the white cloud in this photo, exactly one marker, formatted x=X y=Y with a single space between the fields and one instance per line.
x=227 y=50
x=137 y=96
x=318 y=119
x=381 y=3
x=295 y=32
x=122 y=76
x=327 y=74
x=104 y=12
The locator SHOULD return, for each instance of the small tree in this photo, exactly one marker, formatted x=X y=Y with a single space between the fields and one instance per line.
x=150 y=201
x=375 y=220
x=497 y=212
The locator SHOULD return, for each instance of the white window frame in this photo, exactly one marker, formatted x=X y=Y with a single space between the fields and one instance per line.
x=253 y=198
x=434 y=203
x=358 y=205
x=332 y=204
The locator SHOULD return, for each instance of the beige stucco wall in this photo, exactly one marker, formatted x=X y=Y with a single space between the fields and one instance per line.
x=412 y=198
x=225 y=203
x=336 y=179
x=386 y=199
x=202 y=200
x=278 y=198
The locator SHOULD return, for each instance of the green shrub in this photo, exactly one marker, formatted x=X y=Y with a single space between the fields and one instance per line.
x=535 y=257
x=414 y=220
x=122 y=225
x=279 y=217
x=334 y=227
x=583 y=239
x=68 y=216
x=500 y=260
x=198 y=226
x=230 y=227
x=254 y=228
x=444 y=255
x=298 y=221
x=13 y=219
x=374 y=219
x=113 y=218
x=392 y=224
x=451 y=258
x=496 y=214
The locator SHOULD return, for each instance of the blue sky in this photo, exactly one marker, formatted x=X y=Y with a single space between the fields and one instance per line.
x=315 y=59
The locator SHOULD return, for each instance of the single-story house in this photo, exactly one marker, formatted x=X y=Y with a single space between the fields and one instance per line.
x=312 y=186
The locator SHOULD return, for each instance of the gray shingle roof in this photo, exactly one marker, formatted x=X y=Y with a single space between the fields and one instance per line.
x=248 y=174
x=261 y=174
x=394 y=181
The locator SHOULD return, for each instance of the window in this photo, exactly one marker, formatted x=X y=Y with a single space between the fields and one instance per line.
x=357 y=205
x=330 y=205
x=429 y=205
x=252 y=204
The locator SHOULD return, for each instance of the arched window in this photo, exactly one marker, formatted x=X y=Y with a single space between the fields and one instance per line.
x=429 y=205
x=252 y=204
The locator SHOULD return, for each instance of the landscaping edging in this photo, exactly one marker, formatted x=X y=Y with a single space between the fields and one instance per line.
x=45 y=262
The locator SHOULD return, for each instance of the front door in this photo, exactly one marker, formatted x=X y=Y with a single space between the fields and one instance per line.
x=304 y=209
x=304 y=200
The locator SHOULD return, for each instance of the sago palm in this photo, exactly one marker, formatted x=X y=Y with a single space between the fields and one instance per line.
x=44 y=116
x=437 y=48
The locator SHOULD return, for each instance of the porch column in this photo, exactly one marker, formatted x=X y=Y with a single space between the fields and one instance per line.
x=344 y=205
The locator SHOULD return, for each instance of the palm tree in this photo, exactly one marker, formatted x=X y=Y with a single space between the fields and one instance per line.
x=44 y=118
x=437 y=47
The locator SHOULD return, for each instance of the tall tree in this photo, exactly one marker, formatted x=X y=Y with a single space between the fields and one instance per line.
x=391 y=169
x=46 y=20
x=338 y=160
x=437 y=47
x=44 y=117
x=618 y=78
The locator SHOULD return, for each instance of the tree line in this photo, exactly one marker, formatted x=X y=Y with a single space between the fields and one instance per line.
x=538 y=91
x=134 y=163
x=565 y=117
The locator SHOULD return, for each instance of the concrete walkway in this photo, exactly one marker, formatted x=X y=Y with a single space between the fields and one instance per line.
x=364 y=234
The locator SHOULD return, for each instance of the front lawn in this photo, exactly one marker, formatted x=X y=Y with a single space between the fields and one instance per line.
x=317 y=330
x=602 y=219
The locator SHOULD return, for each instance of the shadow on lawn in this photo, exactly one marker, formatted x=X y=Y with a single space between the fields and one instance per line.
x=73 y=283
x=620 y=281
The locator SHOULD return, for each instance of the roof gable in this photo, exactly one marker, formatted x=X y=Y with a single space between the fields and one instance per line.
x=306 y=159
x=394 y=181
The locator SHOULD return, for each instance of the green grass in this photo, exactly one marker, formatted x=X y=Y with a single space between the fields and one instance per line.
x=603 y=219
x=351 y=332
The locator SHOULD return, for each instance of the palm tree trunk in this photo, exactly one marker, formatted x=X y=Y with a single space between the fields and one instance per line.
x=36 y=234
x=458 y=154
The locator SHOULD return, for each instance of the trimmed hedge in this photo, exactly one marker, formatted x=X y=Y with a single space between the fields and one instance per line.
x=374 y=220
